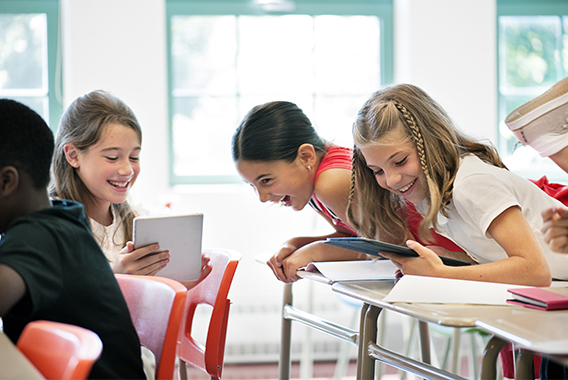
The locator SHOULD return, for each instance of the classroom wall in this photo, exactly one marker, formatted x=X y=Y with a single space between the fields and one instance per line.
x=445 y=46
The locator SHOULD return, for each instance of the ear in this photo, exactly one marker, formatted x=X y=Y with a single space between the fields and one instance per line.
x=9 y=180
x=71 y=155
x=307 y=155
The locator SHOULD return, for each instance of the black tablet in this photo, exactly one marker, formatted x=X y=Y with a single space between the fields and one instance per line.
x=373 y=247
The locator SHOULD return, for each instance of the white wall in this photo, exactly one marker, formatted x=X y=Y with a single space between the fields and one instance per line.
x=445 y=46
x=448 y=47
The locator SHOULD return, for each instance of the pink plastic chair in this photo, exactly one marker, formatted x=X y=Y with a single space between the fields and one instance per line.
x=156 y=306
x=213 y=291
x=59 y=350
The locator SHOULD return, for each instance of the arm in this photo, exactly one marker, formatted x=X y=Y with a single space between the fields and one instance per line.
x=290 y=258
x=142 y=261
x=12 y=288
x=525 y=265
x=555 y=229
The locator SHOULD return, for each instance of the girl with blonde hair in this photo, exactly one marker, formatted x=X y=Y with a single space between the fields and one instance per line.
x=408 y=148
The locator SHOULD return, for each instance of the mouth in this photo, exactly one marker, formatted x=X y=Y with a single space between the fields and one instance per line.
x=404 y=189
x=119 y=185
x=286 y=201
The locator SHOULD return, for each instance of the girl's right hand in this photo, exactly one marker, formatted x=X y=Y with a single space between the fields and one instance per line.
x=275 y=262
x=145 y=261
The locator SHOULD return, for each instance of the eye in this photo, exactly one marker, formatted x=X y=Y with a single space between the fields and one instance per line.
x=111 y=158
x=378 y=172
x=136 y=159
x=266 y=181
x=402 y=162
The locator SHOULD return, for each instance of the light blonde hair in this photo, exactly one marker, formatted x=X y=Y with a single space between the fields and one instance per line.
x=82 y=125
x=439 y=144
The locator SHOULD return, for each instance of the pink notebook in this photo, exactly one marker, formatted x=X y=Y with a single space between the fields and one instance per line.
x=550 y=298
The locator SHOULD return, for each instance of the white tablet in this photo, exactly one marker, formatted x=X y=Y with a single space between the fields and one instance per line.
x=179 y=234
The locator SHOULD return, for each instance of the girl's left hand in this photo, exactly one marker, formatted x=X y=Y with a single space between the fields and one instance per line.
x=427 y=264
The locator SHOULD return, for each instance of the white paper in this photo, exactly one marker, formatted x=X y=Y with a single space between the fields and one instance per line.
x=355 y=270
x=421 y=289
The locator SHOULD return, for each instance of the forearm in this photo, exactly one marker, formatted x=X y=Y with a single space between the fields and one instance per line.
x=513 y=270
x=324 y=252
x=301 y=241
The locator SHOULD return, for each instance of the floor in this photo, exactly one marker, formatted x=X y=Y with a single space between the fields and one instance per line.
x=321 y=371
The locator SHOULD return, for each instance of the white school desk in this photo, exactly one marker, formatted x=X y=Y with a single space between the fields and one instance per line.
x=534 y=331
x=372 y=293
x=13 y=364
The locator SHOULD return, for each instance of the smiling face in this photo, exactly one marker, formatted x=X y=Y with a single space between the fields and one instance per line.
x=290 y=184
x=110 y=167
x=396 y=166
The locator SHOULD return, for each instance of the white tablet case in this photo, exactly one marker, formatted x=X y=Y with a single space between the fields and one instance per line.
x=181 y=235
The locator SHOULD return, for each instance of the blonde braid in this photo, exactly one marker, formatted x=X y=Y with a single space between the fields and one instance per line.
x=350 y=216
x=418 y=140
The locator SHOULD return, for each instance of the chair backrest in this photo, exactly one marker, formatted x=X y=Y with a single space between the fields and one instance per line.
x=213 y=291
x=59 y=350
x=156 y=307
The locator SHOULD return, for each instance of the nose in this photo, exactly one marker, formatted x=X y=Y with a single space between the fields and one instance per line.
x=392 y=178
x=263 y=195
x=125 y=168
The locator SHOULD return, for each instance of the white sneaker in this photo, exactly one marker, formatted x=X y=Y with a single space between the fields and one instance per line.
x=542 y=122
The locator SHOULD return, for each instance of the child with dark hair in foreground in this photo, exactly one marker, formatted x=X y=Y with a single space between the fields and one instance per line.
x=51 y=268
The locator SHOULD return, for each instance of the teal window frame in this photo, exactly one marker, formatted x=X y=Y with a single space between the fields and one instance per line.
x=380 y=8
x=51 y=9
x=528 y=8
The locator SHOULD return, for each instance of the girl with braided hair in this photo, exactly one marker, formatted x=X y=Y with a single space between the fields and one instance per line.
x=407 y=148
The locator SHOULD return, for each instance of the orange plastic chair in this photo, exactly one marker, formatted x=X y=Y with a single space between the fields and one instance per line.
x=156 y=307
x=213 y=291
x=59 y=350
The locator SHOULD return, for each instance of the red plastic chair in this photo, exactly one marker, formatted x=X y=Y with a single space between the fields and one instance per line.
x=156 y=306
x=213 y=291
x=59 y=350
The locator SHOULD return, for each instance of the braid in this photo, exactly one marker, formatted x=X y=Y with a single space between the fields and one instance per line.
x=350 y=216
x=419 y=141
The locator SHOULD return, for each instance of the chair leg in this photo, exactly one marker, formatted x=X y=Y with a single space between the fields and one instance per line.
x=182 y=370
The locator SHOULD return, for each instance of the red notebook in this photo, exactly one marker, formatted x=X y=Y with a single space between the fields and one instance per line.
x=550 y=298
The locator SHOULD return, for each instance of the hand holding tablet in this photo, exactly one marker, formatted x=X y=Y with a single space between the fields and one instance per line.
x=374 y=247
x=181 y=235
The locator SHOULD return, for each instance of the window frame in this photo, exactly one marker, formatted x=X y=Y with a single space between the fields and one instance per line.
x=51 y=9
x=380 y=8
x=527 y=8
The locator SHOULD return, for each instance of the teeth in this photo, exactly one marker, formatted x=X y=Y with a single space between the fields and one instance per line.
x=119 y=185
x=405 y=188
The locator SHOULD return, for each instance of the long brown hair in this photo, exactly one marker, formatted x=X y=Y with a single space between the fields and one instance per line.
x=82 y=125
x=439 y=144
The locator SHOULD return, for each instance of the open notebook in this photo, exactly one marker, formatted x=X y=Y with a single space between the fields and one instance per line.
x=359 y=270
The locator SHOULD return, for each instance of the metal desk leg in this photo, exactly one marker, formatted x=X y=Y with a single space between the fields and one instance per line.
x=367 y=334
x=490 y=356
x=524 y=368
x=424 y=342
x=286 y=337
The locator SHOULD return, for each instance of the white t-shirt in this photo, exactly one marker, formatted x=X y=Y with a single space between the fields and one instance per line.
x=110 y=238
x=481 y=193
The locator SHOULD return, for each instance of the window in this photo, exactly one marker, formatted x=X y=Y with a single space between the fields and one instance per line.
x=28 y=51
x=326 y=57
x=533 y=55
